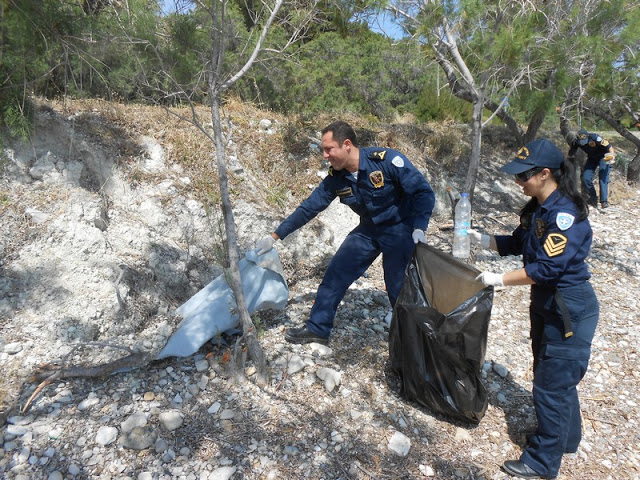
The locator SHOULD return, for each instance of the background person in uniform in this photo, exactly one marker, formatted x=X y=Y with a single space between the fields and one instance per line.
x=394 y=202
x=554 y=238
x=600 y=155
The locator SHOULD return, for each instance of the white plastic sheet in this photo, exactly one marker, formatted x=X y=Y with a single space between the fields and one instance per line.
x=212 y=310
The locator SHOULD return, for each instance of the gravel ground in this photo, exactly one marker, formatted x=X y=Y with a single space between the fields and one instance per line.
x=327 y=412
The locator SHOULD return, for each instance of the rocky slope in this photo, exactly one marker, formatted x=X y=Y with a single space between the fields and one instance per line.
x=101 y=241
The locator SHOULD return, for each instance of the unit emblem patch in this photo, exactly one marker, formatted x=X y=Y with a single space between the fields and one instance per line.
x=523 y=153
x=377 y=179
x=555 y=244
x=398 y=161
x=564 y=220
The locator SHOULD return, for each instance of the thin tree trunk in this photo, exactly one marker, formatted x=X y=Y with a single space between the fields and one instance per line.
x=248 y=329
x=476 y=146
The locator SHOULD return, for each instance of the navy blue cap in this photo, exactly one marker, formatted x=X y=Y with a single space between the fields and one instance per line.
x=538 y=153
x=582 y=137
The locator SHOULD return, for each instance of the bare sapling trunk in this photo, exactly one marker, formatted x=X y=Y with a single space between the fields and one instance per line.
x=249 y=332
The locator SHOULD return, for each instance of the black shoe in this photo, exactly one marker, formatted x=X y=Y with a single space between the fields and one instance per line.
x=516 y=468
x=604 y=205
x=303 y=335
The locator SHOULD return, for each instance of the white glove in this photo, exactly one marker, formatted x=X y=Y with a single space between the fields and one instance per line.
x=418 y=236
x=490 y=278
x=266 y=244
x=610 y=159
x=479 y=239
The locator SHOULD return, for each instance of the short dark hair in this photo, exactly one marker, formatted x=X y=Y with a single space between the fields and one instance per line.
x=341 y=131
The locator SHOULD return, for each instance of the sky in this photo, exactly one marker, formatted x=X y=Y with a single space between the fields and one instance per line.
x=385 y=24
x=382 y=23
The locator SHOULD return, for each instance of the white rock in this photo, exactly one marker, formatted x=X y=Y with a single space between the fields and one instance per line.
x=331 y=378
x=17 y=430
x=222 y=473
x=106 y=435
x=400 y=444
x=171 y=419
x=462 y=435
x=37 y=216
x=426 y=470
x=202 y=365
x=138 y=419
x=295 y=365
x=12 y=348
x=73 y=469
x=265 y=124
x=227 y=414
x=88 y=403
x=321 y=350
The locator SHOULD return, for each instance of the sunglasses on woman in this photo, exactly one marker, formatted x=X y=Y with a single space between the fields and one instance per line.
x=524 y=176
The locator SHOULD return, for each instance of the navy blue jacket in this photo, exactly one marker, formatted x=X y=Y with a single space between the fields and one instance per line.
x=596 y=147
x=389 y=190
x=553 y=243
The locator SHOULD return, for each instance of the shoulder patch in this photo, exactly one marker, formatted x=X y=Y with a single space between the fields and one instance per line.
x=398 y=161
x=378 y=155
x=564 y=220
x=541 y=227
x=604 y=142
x=377 y=179
x=555 y=244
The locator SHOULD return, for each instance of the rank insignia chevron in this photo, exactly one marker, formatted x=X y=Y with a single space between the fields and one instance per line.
x=555 y=244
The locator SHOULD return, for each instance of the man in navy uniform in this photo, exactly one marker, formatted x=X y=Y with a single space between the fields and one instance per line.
x=394 y=202
x=601 y=155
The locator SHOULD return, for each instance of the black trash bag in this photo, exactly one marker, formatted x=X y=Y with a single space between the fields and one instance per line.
x=439 y=356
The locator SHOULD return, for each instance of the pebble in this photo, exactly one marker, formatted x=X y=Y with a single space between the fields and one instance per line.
x=331 y=378
x=139 y=437
x=12 y=348
x=106 y=435
x=171 y=420
x=295 y=365
x=400 y=444
x=136 y=420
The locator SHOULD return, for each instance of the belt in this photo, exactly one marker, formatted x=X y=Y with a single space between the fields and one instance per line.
x=566 y=316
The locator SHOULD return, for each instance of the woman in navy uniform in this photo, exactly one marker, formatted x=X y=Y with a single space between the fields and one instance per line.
x=394 y=202
x=554 y=238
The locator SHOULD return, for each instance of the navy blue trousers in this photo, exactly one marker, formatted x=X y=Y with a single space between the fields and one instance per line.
x=559 y=365
x=603 y=177
x=358 y=251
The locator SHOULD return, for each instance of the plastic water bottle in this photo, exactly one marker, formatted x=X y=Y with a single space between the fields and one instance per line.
x=461 y=240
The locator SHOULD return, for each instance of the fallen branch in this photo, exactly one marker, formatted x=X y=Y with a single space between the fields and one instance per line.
x=602 y=421
x=47 y=373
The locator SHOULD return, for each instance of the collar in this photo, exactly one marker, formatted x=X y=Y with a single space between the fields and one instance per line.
x=551 y=200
